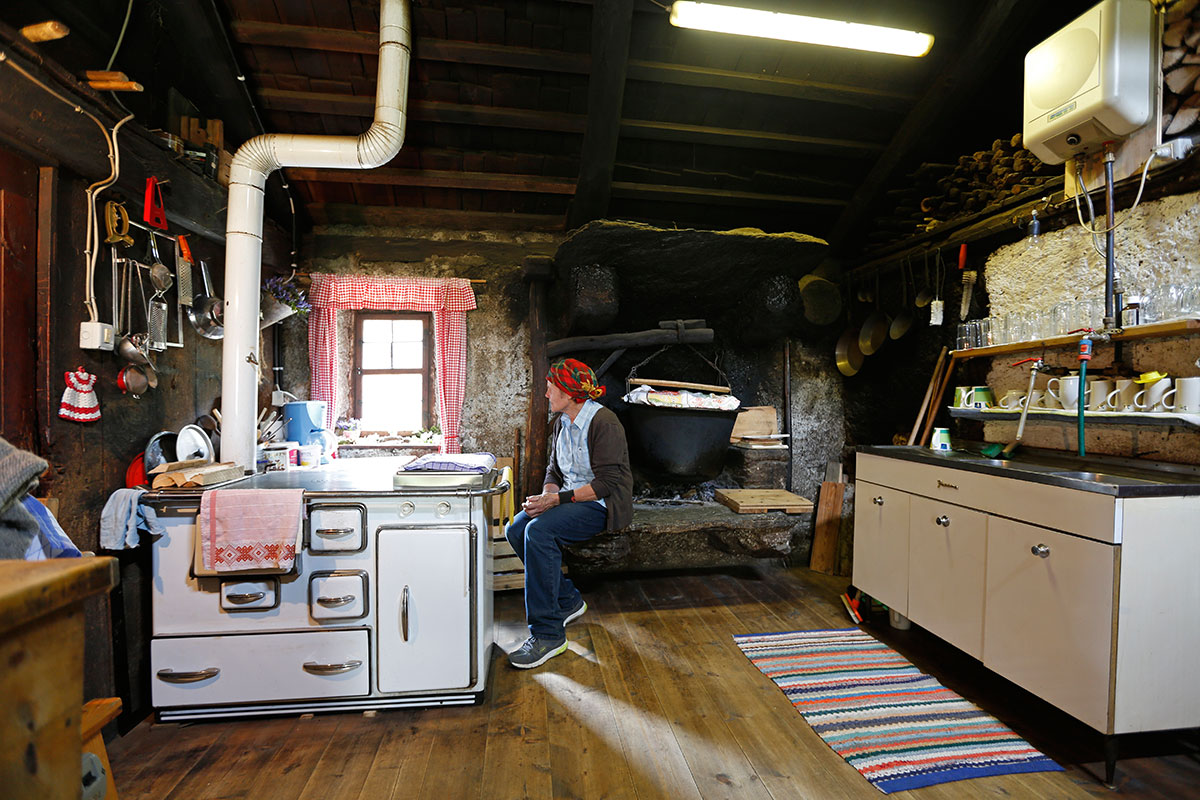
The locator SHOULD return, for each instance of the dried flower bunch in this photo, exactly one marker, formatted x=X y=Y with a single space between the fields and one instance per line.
x=287 y=292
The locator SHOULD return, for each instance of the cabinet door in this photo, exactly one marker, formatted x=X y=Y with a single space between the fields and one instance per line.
x=946 y=568
x=881 y=544
x=424 y=612
x=1049 y=617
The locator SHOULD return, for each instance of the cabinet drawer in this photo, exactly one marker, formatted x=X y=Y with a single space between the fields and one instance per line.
x=277 y=666
x=341 y=594
x=249 y=595
x=337 y=528
x=1048 y=624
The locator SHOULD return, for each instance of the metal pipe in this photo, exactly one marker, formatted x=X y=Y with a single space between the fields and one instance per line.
x=1109 y=238
x=253 y=162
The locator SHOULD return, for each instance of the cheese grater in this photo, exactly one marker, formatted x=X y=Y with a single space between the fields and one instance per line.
x=183 y=271
x=156 y=313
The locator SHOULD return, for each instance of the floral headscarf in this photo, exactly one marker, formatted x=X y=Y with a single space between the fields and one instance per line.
x=576 y=379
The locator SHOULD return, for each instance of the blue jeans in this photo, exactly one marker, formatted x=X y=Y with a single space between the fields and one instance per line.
x=550 y=595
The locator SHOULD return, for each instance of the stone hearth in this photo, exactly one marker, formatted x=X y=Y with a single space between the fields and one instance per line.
x=692 y=535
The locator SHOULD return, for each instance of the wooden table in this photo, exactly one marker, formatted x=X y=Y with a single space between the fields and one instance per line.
x=41 y=681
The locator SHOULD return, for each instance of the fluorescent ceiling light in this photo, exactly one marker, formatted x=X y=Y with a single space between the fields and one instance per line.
x=796 y=28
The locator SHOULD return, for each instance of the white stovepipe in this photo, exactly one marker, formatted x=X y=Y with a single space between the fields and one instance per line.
x=254 y=161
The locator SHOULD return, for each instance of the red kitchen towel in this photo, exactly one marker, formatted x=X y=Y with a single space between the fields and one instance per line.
x=249 y=529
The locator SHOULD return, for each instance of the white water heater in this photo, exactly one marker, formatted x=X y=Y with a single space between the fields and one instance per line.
x=1094 y=81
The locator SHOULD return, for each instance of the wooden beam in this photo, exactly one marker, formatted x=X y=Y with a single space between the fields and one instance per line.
x=959 y=76
x=416 y=249
x=772 y=85
x=611 y=26
x=423 y=111
x=573 y=344
x=274 y=34
x=754 y=140
x=398 y=216
x=692 y=194
x=442 y=179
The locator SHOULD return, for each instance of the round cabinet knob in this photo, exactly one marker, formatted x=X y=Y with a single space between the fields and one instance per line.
x=443 y=508
x=407 y=508
x=943 y=520
x=1040 y=550
x=878 y=501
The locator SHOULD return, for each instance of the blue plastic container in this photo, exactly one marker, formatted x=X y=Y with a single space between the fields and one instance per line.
x=304 y=422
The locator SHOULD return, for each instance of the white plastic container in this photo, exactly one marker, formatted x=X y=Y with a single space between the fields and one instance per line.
x=310 y=455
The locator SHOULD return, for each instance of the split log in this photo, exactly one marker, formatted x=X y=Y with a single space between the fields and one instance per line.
x=1180 y=79
x=1185 y=117
x=609 y=341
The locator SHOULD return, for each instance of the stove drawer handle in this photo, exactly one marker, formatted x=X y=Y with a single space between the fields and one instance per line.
x=245 y=597
x=404 y=613
x=331 y=533
x=171 y=676
x=334 y=602
x=331 y=669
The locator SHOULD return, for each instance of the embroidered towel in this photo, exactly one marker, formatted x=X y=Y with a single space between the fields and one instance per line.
x=248 y=529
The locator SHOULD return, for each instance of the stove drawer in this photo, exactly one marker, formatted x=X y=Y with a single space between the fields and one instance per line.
x=205 y=670
x=336 y=528
x=338 y=594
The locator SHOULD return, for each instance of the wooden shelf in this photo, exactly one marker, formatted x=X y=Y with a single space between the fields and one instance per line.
x=1072 y=417
x=1153 y=330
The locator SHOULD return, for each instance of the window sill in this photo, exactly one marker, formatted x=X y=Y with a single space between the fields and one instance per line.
x=363 y=449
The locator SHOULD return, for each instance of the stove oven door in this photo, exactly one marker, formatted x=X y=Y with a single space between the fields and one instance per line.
x=426 y=605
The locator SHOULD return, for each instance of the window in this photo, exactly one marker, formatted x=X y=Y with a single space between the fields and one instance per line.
x=392 y=371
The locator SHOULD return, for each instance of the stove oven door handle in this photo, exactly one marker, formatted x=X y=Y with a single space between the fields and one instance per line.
x=404 y=613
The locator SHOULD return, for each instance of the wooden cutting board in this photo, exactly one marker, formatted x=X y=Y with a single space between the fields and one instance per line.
x=760 y=501
x=829 y=522
x=205 y=475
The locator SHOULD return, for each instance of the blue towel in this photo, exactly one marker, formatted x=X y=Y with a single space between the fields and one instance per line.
x=121 y=518
x=52 y=541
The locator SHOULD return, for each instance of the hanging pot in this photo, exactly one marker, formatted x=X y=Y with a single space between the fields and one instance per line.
x=874 y=331
x=207 y=312
x=846 y=353
x=132 y=380
x=904 y=319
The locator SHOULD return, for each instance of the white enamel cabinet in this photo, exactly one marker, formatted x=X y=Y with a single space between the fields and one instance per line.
x=947 y=546
x=1085 y=599
x=881 y=543
x=425 y=602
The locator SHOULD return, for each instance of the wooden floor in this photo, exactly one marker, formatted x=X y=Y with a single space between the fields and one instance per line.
x=653 y=700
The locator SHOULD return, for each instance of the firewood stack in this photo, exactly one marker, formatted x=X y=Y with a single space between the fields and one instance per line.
x=939 y=193
x=1181 y=69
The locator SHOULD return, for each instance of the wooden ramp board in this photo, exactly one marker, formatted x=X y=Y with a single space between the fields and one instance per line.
x=760 y=501
x=823 y=557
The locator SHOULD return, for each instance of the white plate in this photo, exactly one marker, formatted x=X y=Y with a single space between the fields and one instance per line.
x=192 y=443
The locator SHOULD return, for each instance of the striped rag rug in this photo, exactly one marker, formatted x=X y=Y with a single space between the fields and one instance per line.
x=897 y=726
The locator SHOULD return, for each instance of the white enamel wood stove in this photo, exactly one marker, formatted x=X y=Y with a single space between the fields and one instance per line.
x=388 y=606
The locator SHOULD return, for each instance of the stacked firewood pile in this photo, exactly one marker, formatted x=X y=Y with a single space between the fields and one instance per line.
x=939 y=193
x=1181 y=69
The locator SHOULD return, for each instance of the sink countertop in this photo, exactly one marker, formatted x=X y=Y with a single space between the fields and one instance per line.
x=359 y=476
x=1119 y=477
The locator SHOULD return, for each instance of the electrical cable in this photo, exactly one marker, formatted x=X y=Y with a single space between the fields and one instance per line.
x=1081 y=189
x=92 y=249
x=121 y=36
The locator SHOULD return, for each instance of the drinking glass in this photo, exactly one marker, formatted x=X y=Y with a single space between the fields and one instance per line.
x=999 y=328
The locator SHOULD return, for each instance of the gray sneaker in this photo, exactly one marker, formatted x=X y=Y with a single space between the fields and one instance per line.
x=535 y=652
x=575 y=613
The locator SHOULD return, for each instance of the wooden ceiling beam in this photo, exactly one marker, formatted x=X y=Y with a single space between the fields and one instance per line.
x=440 y=179
x=404 y=216
x=611 y=25
x=274 y=34
x=961 y=74
x=692 y=194
x=725 y=137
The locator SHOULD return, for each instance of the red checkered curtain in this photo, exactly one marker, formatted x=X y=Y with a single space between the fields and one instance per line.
x=448 y=299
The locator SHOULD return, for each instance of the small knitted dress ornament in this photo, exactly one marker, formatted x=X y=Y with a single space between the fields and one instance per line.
x=79 y=401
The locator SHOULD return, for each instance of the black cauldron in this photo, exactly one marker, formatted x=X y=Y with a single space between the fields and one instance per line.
x=678 y=444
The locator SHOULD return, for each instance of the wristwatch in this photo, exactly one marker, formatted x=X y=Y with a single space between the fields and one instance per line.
x=566 y=496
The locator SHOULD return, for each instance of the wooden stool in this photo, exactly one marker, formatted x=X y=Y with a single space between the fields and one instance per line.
x=97 y=714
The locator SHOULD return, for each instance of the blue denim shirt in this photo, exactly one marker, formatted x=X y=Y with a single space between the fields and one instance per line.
x=571 y=448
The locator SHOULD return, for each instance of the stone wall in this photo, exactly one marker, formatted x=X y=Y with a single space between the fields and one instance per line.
x=498 y=368
x=1159 y=244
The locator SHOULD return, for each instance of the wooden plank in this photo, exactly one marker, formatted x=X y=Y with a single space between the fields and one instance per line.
x=516 y=759
x=388 y=216
x=611 y=30
x=637 y=339
x=754 y=140
x=825 y=537
x=760 y=501
x=30 y=589
x=701 y=194
x=533 y=470
x=289 y=769
x=342 y=770
x=501 y=548
x=445 y=179
x=933 y=381
x=754 y=421
x=507 y=581
x=700 y=387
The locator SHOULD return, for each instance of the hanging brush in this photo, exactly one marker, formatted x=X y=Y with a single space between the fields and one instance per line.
x=969 y=276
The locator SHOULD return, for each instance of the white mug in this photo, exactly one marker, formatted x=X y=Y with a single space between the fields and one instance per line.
x=1121 y=398
x=1038 y=399
x=1154 y=398
x=1187 y=395
x=1069 y=398
x=1012 y=399
x=1098 y=391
